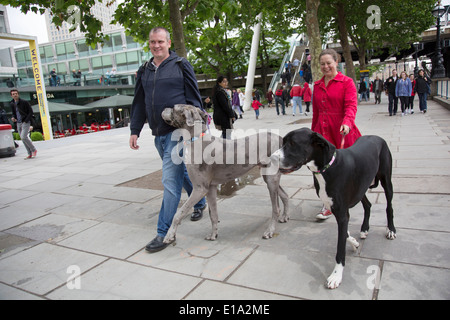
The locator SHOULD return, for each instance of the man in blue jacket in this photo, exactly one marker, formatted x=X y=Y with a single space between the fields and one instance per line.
x=162 y=82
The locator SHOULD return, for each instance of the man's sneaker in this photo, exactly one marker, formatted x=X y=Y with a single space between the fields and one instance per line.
x=34 y=154
x=324 y=215
x=29 y=157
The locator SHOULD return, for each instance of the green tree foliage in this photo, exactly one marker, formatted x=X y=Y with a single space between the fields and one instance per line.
x=217 y=33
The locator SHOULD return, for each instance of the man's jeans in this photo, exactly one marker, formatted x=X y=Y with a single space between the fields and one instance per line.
x=279 y=100
x=423 y=101
x=297 y=101
x=174 y=178
x=22 y=129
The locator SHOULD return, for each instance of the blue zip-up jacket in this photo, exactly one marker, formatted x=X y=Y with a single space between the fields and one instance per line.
x=173 y=82
x=403 y=88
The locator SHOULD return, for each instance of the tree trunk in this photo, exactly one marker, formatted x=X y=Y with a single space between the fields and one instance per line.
x=177 y=28
x=343 y=36
x=362 y=55
x=313 y=31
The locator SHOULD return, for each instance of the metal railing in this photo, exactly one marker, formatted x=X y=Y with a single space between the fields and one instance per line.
x=287 y=57
x=443 y=89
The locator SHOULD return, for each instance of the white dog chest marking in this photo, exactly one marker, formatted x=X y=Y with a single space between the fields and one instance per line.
x=327 y=201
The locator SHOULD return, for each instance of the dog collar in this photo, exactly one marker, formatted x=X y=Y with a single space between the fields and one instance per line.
x=327 y=166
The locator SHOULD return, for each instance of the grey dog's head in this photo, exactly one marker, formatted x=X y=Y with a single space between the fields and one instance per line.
x=184 y=116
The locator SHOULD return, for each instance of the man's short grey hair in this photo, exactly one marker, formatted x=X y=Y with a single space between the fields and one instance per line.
x=158 y=29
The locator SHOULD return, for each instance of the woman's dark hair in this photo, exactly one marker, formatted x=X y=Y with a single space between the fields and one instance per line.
x=217 y=85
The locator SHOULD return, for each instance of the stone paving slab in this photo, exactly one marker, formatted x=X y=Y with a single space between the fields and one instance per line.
x=70 y=207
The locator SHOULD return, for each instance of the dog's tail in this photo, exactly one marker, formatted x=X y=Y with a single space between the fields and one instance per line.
x=375 y=183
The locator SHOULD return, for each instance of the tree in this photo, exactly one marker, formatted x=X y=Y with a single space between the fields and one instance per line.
x=313 y=30
x=401 y=24
x=171 y=14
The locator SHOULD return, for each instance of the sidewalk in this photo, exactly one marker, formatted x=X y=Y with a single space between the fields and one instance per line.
x=73 y=210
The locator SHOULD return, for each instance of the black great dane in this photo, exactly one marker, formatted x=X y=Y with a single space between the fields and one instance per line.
x=341 y=178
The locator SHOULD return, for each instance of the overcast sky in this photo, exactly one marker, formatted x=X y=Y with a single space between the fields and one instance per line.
x=34 y=24
x=31 y=24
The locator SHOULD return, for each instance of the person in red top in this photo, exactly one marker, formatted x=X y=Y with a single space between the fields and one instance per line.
x=335 y=104
x=296 y=95
x=307 y=94
x=255 y=105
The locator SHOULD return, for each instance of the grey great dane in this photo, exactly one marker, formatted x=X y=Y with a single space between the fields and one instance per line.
x=211 y=161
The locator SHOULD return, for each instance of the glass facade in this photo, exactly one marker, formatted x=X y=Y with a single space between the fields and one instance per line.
x=119 y=53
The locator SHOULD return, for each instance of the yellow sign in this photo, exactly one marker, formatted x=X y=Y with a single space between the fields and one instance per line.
x=40 y=90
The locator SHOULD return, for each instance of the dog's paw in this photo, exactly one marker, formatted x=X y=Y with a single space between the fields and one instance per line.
x=391 y=235
x=363 y=234
x=267 y=235
x=283 y=219
x=169 y=238
x=211 y=237
x=353 y=242
x=335 y=278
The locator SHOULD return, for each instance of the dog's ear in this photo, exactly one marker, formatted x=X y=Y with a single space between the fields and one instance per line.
x=318 y=140
x=190 y=117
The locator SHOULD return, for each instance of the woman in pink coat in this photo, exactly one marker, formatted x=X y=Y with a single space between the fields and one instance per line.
x=335 y=104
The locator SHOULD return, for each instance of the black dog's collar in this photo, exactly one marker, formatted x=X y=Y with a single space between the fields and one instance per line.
x=327 y=166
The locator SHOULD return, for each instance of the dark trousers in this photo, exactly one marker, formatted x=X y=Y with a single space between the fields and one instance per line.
x=410 y=103
x=393 y=104
x=423 y=101
x=404 y=100
x=279 y=100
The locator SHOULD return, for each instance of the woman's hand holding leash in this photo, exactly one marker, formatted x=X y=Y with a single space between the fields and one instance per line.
x=344 y=131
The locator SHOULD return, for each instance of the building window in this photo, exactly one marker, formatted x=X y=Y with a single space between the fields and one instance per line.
x=127 y=61
x=23 y=58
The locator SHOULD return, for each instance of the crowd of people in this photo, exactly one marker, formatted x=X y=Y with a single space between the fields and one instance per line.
x=401 y=88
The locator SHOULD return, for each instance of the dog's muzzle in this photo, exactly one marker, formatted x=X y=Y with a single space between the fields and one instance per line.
x=278 y=158
x=289 y=170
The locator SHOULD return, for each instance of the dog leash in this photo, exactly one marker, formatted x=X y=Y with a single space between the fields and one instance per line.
x=342 y=142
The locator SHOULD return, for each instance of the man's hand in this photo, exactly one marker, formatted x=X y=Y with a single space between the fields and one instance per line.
x=133 y=142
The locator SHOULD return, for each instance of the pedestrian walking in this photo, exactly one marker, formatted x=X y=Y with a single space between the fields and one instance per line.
x=241 y=100
x=423 y=90
x=22 y=113
x=279 y=100
x=389 y=86
x=362 y=90
x=403 y=90
x=335 y=103
x=224 y=115
x=377 y=89
x=410 y=106
x=162 y=82
x=256 y=105
x=307 y=94
x=235 y=103
x=269 y=97
x=296 y=95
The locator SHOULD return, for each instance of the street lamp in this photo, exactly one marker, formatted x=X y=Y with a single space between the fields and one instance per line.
x=438 y=67
x=416 y=68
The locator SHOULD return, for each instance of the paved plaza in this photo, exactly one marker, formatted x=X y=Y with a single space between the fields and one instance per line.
x=75 y=220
